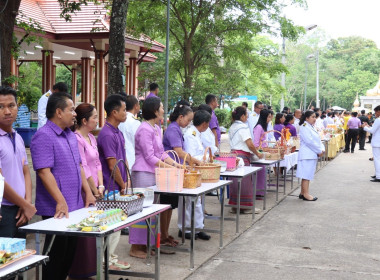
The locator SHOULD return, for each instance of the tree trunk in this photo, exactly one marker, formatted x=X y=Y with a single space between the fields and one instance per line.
x=117 y=46
x=189 y=70
x=8 y=16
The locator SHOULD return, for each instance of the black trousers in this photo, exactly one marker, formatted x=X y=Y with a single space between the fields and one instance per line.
x=8 y=222
x=61 y=256
x=362 y=136
x=352 y=136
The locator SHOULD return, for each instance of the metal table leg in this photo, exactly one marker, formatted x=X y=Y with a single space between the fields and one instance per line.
x=265 y=187
x=183 y=219
x=277 y=179
x=238 y=206
x=149 y=247
x=221 y=219
x=106 y=257
x=192 y=232
x=285 y=172
x=99 y=258
x=157 y=256
x=291 y=183
x=254 y=180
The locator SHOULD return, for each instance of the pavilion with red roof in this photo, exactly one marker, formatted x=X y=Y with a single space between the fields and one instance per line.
x=84 y=43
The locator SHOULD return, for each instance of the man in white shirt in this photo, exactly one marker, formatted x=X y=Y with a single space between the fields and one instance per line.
x=193 y=146
x=129 y=128
x=375 y=143
x=297 y=116
x=328 y=120
x=42 y=102
x=207 y=137
x=254 y=116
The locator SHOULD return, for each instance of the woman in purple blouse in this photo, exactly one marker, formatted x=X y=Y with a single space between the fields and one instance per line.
x=258 y=133
x=278 y=124
x=149 y=152
x=289 y=121
x=84 y=263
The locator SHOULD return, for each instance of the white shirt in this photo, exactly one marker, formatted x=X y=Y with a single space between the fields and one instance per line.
x=129 y=128
x=297 y=125
x=42 y=103
x=327 y=121
x=253 y=118
x=319 y=124
x=238 y=134
x=375 y=130
x=311 y=144
x=270 y=135
x=208 y=140
x=193 y=143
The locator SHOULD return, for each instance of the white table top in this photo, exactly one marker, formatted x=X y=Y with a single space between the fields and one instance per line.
x=59 y=226
x=204 y=188
x=241 y=171
x=21 y=264
x=266 y=161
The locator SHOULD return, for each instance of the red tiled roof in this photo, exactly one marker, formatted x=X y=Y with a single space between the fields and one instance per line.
x=47 y=13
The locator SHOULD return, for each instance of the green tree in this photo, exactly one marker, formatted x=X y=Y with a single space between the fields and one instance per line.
x=29 y=84
x=212 y=41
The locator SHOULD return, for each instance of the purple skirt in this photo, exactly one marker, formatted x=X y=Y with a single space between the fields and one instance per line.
x=138 y=233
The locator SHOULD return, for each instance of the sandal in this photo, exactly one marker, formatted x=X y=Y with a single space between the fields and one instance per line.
x=171 y=238
x=371 y=159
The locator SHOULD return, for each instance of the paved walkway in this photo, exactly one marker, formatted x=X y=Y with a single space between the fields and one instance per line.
x=337 y=237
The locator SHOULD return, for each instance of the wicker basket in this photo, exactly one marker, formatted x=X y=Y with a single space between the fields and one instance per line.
x=210 y=171
x=192 y=178
x=129 y=207
x=230 y=159
x=273 y=153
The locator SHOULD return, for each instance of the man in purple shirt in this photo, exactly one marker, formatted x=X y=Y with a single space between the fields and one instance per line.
x=212 y=101
x=60 y=179
x=353 y=125
x=16 y=207
x=153 y=91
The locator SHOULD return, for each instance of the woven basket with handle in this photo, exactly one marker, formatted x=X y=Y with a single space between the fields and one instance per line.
x=129 y=207
x=193 y=178
x=273 y=153
x=210 y=171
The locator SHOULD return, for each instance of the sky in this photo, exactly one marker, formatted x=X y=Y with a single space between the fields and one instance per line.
x=340 y=18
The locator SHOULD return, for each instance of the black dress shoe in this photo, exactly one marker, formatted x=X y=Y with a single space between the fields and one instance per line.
x=362 y=149
x=314 y=198
x=373 y=177
x=187 y=235
x=300 y=196
x=202 y=235
x=345 y=151
x=375 y=180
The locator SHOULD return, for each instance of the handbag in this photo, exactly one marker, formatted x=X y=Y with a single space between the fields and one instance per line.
x=192 y=178
x=210 y=171
x=169 y=179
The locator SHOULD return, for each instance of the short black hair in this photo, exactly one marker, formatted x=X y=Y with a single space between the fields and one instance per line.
x=317 y=109
x=153 y=86
x=200 y=117
x=150 y=107
x=354 y=114
x=285 y=109
x=329 y=114
x=377 y=108
x=362 y=112
x=56 y=101
x=209 y=98
x=130 y=102
x=205 y=107
x=113 y=102
x=257 y=103
x=244 y=104
x=61 y=87
x=7 y=90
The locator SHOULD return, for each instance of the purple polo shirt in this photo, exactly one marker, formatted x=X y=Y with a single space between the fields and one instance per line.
x=12 y=161
x=173 y=138
x=215 y=124
x=354 y=123
x=150 y=95
x=57 y=149
x=292 y=129
x=111 y=145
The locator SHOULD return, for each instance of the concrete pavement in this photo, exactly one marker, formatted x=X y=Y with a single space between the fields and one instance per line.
x=336 y=237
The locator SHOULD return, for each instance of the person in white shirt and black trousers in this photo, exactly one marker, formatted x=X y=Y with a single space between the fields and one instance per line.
x=310 y=149
x=375 y=142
